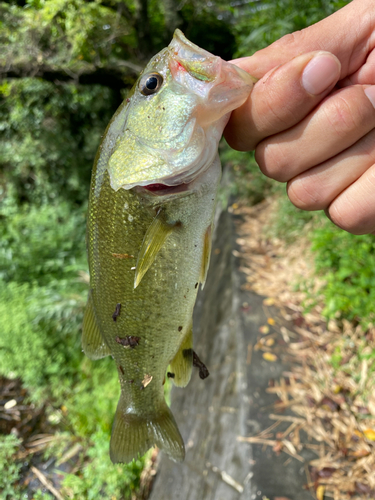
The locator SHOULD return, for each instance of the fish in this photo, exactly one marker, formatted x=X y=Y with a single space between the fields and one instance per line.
x=149 y=229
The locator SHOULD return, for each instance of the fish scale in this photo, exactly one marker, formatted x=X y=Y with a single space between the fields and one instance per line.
x=149 y=249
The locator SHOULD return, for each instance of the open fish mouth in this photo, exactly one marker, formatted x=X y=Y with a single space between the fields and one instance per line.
x=165 y=190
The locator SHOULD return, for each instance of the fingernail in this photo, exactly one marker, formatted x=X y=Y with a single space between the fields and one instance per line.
x=320 y=73
x=370 y=92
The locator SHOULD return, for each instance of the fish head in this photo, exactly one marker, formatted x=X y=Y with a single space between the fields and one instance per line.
x=175 y=116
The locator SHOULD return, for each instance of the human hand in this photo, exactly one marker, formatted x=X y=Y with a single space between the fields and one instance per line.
x=311 y=117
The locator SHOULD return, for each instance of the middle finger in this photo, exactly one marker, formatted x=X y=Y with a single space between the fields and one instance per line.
x=335 y=125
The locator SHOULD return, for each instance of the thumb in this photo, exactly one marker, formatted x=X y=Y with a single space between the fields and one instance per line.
x=282 y=98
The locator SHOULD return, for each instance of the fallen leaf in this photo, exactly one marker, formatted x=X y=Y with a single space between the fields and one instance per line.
x=326 y=471
x=360 y=453
x=329 y=404
x=268 y=356
x=271 y=321
x=264 y=329
x=320 y=492
x=277 y=447
x=362 y=488
x=269 y=342
x=269 y=302
x=369 y=434
x=10 y=404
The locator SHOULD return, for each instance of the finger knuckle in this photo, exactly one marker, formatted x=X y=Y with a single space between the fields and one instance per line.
x=342 y=115
x=272 y=161
x=291 y=41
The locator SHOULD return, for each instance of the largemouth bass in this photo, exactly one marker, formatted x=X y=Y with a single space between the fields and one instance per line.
x=152 y=202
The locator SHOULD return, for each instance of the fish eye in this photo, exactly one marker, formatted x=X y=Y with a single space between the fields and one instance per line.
x=150 y=83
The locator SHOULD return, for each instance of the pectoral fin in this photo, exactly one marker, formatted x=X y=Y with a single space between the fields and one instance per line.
x=207 y=246
x=182 y=363
x=154 y=239
x=93 y=344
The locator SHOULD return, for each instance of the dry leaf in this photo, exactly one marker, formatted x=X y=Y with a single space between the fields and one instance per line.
x=361 y=453
x=269 y=342
x=264 y=329
x=269 y=356
x=271 y=321
x=10 y=404
x=369 y=434
x=320 y=492
x=269 y=302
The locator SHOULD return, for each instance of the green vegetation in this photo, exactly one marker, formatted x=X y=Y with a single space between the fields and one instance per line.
x=262 y=26
x=65 y=67
x=9 y=470
x=347 y=264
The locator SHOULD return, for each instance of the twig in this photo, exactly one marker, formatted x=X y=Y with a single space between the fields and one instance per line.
x=285 y=418
x=42 y=478
x=226 y=478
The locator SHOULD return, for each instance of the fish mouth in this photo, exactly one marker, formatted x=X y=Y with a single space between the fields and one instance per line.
x=158 y=189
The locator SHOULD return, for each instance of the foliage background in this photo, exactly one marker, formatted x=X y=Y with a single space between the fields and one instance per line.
x=65 y=66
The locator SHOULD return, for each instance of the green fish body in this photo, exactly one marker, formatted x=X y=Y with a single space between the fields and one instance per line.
x=152 y=202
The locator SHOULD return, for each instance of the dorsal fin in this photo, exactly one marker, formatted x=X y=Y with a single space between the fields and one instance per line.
x=154 y=239
x=207 y=245
x=93 y=344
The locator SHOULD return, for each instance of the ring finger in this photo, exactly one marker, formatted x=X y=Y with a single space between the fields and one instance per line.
x=317 y=187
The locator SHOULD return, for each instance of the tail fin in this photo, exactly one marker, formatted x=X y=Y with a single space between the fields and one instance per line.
x=133 y=434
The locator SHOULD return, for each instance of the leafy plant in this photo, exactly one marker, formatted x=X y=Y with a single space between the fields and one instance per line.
x=40 y=245
x=49 y=136
x=347 y=263
x=260 y=23
x=9 y=469
x=99 y=477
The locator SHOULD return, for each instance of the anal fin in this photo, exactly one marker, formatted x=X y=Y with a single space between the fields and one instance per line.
x=93 y=344
x=152 y=242
x=182 y=363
